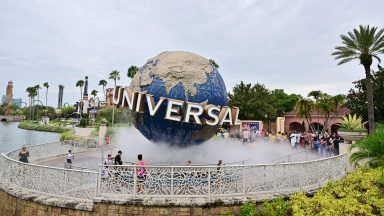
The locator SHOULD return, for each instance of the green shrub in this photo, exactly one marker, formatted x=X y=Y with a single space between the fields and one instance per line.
x=276 y=207
x=67 y=135
x=370 y=149
x=28 y=125
x=83 y=123
x=248 y=209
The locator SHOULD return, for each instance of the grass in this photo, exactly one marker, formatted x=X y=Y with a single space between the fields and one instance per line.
x=29 y=125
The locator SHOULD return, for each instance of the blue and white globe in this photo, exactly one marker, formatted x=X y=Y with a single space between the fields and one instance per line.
x=183 y=76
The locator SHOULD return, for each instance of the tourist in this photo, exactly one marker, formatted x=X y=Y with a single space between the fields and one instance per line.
x=141 y=173
x=109 y=160
x=69 y=160
x=246 y=135
x=336 y=143
x=23 y=155
x=323 y=142
x=293 y=138
x=328 y=147
x=118 y=160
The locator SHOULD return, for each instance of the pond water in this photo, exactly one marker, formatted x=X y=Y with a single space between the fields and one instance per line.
x=11 y=137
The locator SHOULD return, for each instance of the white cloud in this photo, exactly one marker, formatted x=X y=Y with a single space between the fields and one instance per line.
x=283 y=44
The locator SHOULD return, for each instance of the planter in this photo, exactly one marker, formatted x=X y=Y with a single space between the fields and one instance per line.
x=352 y=136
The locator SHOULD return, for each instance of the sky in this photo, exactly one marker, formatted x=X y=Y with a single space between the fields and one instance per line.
x=282 y=44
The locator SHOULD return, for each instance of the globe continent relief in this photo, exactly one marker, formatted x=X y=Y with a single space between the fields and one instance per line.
x=182 y=76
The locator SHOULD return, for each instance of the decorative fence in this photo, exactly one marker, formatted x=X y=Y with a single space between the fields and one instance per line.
x=122 y=182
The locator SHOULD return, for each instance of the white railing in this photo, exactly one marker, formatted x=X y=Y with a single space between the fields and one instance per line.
x=213 y=181
x=207 y=182
x=49 y=150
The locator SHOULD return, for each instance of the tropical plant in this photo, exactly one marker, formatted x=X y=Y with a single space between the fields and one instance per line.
x=114 y=75
x=364 y=43
x=370 y=149
x=103 y=83
x=80 y=84
x=94 y=93
x=46 y=85
x=31 y=94
x=353 y=123
x=324 y=105
x=37 y=87
x=132 y=71
x=214 y=63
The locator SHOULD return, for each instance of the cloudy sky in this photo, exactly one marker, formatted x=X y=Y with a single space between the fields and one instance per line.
x=282 y=44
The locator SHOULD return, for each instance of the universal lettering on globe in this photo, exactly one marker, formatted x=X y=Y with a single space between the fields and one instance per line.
x=176 y=110
x=178 y=98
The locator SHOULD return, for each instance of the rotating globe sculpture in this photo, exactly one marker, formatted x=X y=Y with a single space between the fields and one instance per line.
x=182 y=76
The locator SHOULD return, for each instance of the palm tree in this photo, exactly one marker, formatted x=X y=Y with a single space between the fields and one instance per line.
x=103 y=83
x=214 y=63
x=132 y=71
x=364 y=43
x=32 y=92
x=316 y=95
x=46 y=85
x=94 y=93
x=37 y=87
x=114 y=75
x=303 y=109
x=80 y=83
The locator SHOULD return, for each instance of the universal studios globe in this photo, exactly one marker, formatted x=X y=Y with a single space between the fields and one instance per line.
x=182 y=76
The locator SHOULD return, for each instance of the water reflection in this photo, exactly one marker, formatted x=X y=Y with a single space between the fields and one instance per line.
x=12 y=137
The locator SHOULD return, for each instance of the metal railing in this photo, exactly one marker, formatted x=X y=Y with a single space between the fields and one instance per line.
x=166 y=182
x=290 y=157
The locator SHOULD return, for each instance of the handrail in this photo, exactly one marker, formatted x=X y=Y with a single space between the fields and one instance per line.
x=287 y=156
x=170 y=181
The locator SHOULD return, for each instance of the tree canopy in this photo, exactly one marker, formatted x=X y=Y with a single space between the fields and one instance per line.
x=256 y=102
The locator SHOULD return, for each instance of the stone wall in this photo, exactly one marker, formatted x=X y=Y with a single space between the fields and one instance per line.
x=14 y=206
x=11 y=118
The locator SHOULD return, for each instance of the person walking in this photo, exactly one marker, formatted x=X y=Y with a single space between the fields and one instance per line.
x=118 y=160
x=69 y=160
x=23 y=155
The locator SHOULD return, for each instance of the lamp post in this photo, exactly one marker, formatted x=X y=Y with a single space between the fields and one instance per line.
x=267 y=117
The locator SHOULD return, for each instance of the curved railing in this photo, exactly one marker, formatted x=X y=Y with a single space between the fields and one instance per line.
x=167 y=182
x=50 y=180
x=226 y=181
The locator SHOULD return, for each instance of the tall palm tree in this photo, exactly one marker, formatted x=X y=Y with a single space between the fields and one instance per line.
x=31 y=94
x=214 y=63
x=103 y=83
x=364 y=44
x=132 y=71
x=114 y=75
x=94 y=93
x=46 y=85
x=80 y=83
x=37 y=87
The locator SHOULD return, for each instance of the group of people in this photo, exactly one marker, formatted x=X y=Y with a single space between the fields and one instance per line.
x=324 y=143
x=251 y=136
x=141 y=172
